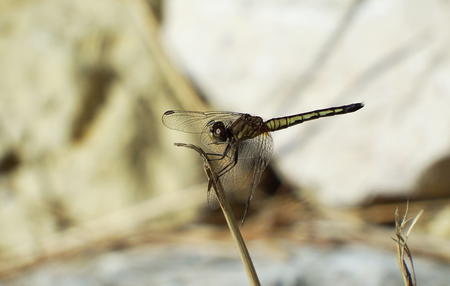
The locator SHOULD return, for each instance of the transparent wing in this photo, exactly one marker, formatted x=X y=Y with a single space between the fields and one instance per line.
x=195 y=121
x=253 y=155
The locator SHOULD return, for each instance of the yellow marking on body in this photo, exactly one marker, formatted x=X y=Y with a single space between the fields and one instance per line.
x=326 y=112
x=290 y=120
x=309 y=115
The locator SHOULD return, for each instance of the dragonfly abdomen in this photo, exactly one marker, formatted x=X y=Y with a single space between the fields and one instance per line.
x=287 y=121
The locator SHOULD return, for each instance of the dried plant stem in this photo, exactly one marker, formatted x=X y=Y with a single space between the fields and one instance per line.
x=403 y=227
x=227 y=212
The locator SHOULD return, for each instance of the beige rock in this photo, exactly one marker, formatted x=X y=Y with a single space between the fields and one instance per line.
x=81 y=97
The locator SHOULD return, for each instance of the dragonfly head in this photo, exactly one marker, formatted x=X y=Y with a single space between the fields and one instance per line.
x=218 y=131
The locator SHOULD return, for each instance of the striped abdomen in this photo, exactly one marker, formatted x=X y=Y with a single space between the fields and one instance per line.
x=287 y=121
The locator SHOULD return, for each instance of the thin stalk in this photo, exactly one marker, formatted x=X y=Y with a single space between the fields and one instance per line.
x=227 y=212
x=403 y=227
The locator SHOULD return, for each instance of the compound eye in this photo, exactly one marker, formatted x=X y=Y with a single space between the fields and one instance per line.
x=218 y=131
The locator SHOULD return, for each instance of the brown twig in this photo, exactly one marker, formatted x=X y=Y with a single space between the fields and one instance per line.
x=227 y=212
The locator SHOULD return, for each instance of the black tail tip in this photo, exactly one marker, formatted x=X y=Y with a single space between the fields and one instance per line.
x=354 y=107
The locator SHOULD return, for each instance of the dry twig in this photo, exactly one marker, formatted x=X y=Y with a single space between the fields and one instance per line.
x=227 y=212
x=403 y=227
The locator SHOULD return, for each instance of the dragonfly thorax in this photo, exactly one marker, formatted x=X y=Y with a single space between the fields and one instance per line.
x=247 y=127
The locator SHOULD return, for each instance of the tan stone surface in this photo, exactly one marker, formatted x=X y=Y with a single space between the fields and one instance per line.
x=81 y=99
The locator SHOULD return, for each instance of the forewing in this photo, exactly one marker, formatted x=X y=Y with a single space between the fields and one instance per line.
x=195 y=121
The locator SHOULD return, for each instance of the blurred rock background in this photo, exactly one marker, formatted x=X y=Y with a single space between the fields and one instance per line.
x=94 y=193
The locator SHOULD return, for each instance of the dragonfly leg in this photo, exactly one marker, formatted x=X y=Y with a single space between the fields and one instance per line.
x=229 y=166
x=220 y=156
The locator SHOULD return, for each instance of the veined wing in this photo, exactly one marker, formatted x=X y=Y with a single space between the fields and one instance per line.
x=253 y=156
x=195 y=121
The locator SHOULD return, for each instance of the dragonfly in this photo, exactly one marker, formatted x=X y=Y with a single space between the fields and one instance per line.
x=239 y=145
